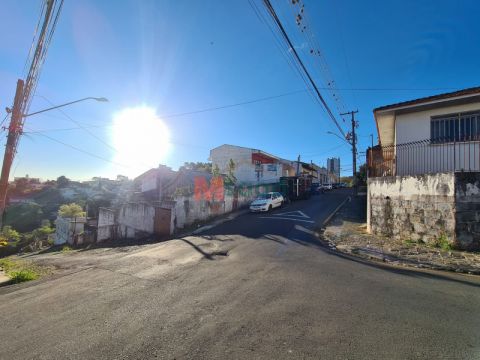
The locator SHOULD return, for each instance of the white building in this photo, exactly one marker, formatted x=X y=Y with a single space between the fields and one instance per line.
x=438 y=133
x=424 y=175
x=251 y=166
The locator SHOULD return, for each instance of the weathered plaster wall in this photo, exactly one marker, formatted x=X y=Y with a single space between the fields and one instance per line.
x=135 y=219
x=467 y=215
x=106 y=224
x=68 y=229
x=412 y=207
x=189 y=210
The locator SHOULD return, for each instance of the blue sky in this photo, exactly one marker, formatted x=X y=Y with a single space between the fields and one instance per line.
x=185 y=55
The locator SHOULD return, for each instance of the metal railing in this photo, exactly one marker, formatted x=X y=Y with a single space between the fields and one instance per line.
x=424 y=157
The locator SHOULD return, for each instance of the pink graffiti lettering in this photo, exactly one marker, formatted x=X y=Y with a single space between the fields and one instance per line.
x=214 y=192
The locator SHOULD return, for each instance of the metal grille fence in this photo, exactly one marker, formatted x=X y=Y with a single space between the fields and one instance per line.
x=424 y=157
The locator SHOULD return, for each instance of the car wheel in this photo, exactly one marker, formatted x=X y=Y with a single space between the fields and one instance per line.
x=269 y=208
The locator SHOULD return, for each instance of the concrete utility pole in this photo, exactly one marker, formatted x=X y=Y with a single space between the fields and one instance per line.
x=354 y=147
x=298 y=165
x=14 y=132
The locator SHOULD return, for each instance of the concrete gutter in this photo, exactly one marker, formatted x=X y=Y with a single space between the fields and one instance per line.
x=334 y=212
x=229 y=217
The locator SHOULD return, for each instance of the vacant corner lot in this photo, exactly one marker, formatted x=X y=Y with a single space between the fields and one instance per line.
x=254 y=287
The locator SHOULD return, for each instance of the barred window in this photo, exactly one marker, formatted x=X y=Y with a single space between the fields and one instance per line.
x=455 y=127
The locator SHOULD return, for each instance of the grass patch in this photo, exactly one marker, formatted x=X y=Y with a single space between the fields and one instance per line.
x=409 y=242
x=65 y=249
x=21 y=270
x=23 y=275
x=443 y=243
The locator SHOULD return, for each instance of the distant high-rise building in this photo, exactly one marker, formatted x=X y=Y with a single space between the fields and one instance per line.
x=333 y=167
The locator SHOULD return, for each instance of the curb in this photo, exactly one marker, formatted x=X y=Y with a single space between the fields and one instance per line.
x=334 y=212
x=378 y=256
x=229 y=217
x=382 y=257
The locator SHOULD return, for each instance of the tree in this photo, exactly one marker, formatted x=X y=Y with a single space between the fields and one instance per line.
x=362 y=175
x=231 y=172
x=215 y=170
x=9 y=234
x=24 y=217
x=71 y=210
x=63 y=181
x=199 y=166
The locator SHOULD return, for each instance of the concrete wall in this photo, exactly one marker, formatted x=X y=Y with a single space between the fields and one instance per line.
x=467 y=215
x=106 y=224
x=67 y=230
x=189 y=210
x=412 y=207
x=135 y=219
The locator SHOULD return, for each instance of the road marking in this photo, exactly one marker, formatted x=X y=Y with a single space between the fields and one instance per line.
x=297 y=213
x=286 y=218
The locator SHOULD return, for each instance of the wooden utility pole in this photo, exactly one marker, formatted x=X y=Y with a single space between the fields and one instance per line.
x=14 y=132
x=24 y=92
x=354 y=147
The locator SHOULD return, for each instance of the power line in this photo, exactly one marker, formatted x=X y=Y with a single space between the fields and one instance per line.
x=303 y=24
x=215 y=108
x=342 y=42
x=81 y=150
x=278 y=43
x=299 y=61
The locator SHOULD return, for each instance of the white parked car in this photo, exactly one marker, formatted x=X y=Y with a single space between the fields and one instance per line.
x=328 y=186
x=266 y=202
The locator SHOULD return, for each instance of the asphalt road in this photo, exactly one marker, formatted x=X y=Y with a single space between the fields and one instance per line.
x=257 y=287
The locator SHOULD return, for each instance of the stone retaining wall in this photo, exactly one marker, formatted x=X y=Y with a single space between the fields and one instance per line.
x=412 y=207
x=427 y=207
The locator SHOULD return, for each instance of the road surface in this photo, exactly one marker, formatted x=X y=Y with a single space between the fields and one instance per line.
x=257 y=287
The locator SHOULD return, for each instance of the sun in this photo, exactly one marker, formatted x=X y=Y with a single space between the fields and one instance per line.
x=141 y=139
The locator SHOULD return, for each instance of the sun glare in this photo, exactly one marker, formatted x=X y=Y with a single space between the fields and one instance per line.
x=141 y=138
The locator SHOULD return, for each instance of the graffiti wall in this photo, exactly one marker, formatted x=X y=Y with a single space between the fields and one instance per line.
x=214 y=198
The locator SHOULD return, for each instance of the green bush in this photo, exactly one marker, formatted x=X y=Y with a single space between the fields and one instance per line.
x=20 y=270
x=443 y=243
x=66 y=248
x=71 y=210
x=23 y=275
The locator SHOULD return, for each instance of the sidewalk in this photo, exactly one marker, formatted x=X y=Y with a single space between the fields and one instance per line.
x=346 y=232
x=212 y=223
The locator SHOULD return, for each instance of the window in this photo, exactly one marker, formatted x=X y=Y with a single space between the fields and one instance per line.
x=456 y=127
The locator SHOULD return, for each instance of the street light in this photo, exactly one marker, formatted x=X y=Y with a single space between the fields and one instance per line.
x=99 y=99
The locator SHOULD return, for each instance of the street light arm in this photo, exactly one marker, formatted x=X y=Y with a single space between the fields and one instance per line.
x=101 y=99
x=341 y=138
